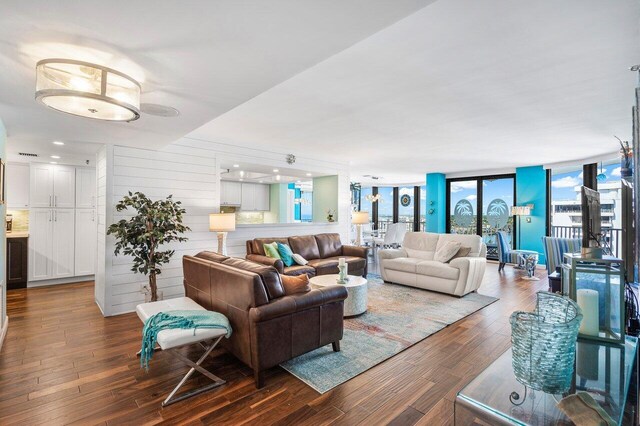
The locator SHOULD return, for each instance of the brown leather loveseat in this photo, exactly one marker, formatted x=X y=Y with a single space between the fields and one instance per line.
x=269 y=327
x=322 y=251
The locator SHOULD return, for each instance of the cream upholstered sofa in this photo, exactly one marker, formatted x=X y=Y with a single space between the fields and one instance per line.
x=413 y=264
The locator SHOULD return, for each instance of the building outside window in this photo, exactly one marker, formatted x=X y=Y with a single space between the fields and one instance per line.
x=566 y=209
x=385 y=208
x=423 y=207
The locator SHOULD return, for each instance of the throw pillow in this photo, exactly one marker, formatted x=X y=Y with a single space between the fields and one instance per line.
x=446 y=252
x=271 y=250
x=285 y=254
x=299 y=259
x=297 y=284
x=463 y=252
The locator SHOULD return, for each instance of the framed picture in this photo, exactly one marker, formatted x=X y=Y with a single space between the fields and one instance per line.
x=2 y=191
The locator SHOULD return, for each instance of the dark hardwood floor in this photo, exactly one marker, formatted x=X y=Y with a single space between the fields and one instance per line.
x=63 y=363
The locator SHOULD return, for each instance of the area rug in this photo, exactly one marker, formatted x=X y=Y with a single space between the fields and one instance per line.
x=397 y=318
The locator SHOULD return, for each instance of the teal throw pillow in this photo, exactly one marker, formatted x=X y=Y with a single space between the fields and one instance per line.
x=285 y=254
x=271 y=250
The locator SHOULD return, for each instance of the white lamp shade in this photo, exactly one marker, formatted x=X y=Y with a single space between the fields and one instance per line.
x=521 y=210
x=222 y=222
x=88 y=90
x=360 y=218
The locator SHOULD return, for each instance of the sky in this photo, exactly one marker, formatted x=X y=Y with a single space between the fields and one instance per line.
x=563 y=184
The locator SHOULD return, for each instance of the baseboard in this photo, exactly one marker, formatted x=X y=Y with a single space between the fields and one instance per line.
x=3 y=332
x=69 y=280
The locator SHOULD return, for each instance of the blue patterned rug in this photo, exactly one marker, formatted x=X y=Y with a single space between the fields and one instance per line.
x=397 y=318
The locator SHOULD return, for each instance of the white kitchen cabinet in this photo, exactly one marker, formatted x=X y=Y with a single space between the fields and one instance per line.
x=230 y=193
x=248 y=197
x=17 y=186
x=63 y=252
x=51 y=243
x=86 y=242
x=64 y=186
x=255 y=197
x=40 y=244
x=41 y=185
x=263 y=197
x=85 y=188
x=52 y=185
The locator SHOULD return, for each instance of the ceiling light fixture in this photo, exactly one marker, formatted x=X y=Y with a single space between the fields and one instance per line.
x=53 y=162
x=55 y=157
x=308 y=174
x=236 y=165
x=58 y=143
x=277 y=177
x=275 y=170
x=88 y=90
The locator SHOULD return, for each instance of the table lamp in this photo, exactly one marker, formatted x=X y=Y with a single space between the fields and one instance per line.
x=359 y=219
x=222 y=223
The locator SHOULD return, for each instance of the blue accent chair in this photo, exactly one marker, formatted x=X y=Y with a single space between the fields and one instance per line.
x=506 y=254
x=555 y=248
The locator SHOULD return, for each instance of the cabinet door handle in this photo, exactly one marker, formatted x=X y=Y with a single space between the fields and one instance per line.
x=50 y=201
x=55 y=201
x=50 y=213
x=93 y=216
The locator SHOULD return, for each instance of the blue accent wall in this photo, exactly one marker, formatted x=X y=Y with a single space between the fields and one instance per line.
x=297 y=208
x=531 y=188
x=436 y=200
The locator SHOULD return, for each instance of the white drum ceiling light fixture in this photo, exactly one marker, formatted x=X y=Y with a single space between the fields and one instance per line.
x=88 y=90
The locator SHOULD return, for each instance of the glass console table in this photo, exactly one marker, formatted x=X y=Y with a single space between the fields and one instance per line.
x=605 y=371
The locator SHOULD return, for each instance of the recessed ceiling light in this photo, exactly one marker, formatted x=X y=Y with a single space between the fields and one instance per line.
x=277 y=177
x=242 y=173
x=260 y=181
x=55 y=157
x=308 y=174
x=236 y=165
x=298 y=181
x=58 y=143
x=275 y=170
x=241 y=179
x=53 y=162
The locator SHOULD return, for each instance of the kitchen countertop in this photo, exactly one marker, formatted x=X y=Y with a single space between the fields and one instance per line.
x=18 y=234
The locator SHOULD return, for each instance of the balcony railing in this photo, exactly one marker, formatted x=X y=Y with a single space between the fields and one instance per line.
x=383 y=224
x=612 y=237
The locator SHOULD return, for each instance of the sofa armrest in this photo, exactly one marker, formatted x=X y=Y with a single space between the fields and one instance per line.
x=471 y=273
x=298 y=302
x=355 y=251
x=266 y=260
x=392 y=253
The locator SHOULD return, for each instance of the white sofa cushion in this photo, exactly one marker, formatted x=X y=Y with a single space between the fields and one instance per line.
x=472 y=241
x=420 y=244
x=446 y=252
x=405 y=264
x=433 y=268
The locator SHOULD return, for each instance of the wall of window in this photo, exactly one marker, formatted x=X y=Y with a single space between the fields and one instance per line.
x=406 y=206
x=365 y=204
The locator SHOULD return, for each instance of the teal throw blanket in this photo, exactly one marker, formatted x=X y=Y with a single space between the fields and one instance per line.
x=177 y=319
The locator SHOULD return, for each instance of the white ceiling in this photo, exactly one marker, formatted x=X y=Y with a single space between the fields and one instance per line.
x=201 y=57
x=460 y=85
x=395 y=88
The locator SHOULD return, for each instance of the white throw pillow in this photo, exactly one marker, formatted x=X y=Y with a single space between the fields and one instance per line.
x=299 y=259
x=447 y=251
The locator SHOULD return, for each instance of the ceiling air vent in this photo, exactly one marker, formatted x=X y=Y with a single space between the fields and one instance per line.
x=27 y=154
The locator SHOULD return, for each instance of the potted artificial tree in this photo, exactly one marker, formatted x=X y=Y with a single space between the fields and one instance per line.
x=155 y=223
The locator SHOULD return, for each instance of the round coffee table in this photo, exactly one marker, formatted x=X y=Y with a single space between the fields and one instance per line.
x=356 y=301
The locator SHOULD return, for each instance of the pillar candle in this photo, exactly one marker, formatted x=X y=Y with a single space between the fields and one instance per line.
x=588 y=302
x=342 y=261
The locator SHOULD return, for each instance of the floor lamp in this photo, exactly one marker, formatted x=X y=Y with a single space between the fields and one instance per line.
x=520 y=211
x=359 y=219
x=222 y=223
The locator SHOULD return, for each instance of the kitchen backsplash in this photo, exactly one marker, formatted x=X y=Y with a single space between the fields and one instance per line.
x=20 y=220
x=249 y=218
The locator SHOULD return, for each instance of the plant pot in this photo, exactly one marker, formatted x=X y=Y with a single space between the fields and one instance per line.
x=147 y=296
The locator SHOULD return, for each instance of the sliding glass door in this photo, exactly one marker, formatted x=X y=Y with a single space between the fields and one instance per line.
x=482 y=206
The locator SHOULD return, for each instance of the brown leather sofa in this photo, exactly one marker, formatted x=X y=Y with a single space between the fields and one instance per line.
x=322 y=251
x=268 y=326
